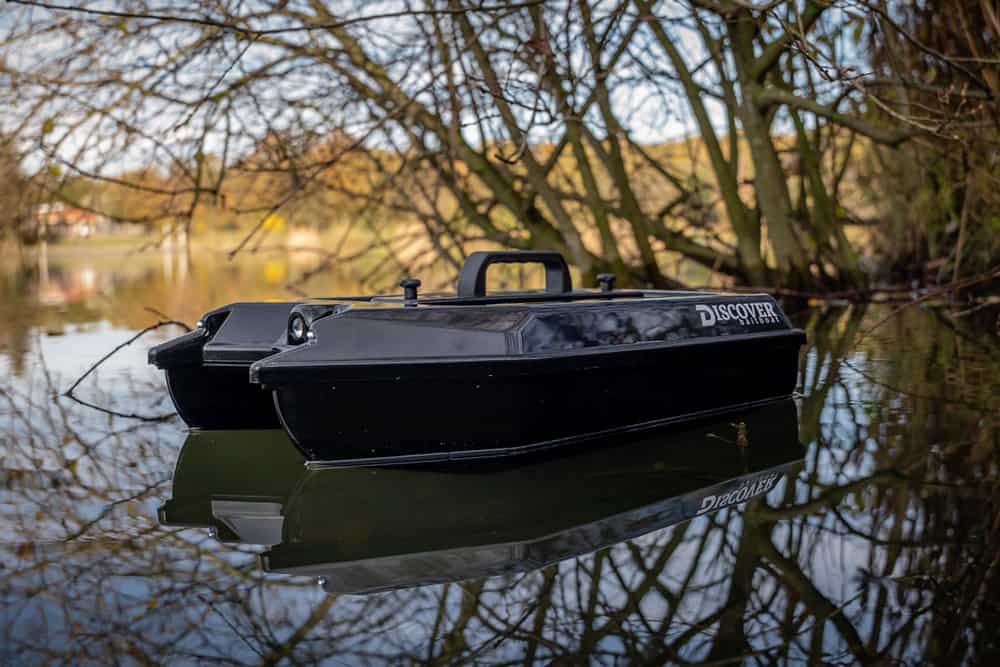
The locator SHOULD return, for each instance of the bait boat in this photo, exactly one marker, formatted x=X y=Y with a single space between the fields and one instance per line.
x=412 y=378
x=368 y=529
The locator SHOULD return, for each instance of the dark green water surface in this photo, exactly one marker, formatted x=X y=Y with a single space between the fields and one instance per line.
x=858 y=523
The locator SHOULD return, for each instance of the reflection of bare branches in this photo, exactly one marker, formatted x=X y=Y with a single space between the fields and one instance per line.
x=954 y=287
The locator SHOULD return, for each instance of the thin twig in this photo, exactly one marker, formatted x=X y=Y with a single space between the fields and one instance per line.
x=69 y=392
x=232 y=26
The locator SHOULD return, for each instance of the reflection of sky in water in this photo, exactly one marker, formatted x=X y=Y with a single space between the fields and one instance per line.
x=75 y=349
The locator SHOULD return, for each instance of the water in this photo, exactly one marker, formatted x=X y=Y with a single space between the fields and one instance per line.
x=860 y=523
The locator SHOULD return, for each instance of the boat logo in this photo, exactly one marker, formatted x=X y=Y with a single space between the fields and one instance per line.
x=752 y=312
x=749 y=488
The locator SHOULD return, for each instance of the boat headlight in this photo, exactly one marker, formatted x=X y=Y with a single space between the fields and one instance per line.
x=298 y=330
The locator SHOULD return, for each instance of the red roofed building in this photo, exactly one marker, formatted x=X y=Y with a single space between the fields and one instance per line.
x=62 y=221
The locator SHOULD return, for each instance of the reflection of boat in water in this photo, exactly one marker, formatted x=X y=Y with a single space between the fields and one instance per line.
x=367 y=529
x=252 y=466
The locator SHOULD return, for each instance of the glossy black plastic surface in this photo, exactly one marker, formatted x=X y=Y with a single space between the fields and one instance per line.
x=356 y=341
x=472 y=278
x=219 y=397
x=496 y=409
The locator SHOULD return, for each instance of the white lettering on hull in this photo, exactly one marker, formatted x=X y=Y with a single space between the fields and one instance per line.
x=754 y=312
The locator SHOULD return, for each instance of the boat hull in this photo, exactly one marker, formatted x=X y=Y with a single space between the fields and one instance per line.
x=492 y=409
x=219 y=397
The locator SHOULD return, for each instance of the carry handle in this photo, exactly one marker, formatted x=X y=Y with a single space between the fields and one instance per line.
x=472 y=277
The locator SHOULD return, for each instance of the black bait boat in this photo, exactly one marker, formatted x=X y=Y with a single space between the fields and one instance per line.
x=359 y=380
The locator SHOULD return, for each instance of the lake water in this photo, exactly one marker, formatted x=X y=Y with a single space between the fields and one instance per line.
x=859 y=523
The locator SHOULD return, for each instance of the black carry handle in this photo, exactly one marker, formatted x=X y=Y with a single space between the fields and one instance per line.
x=472 y=278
